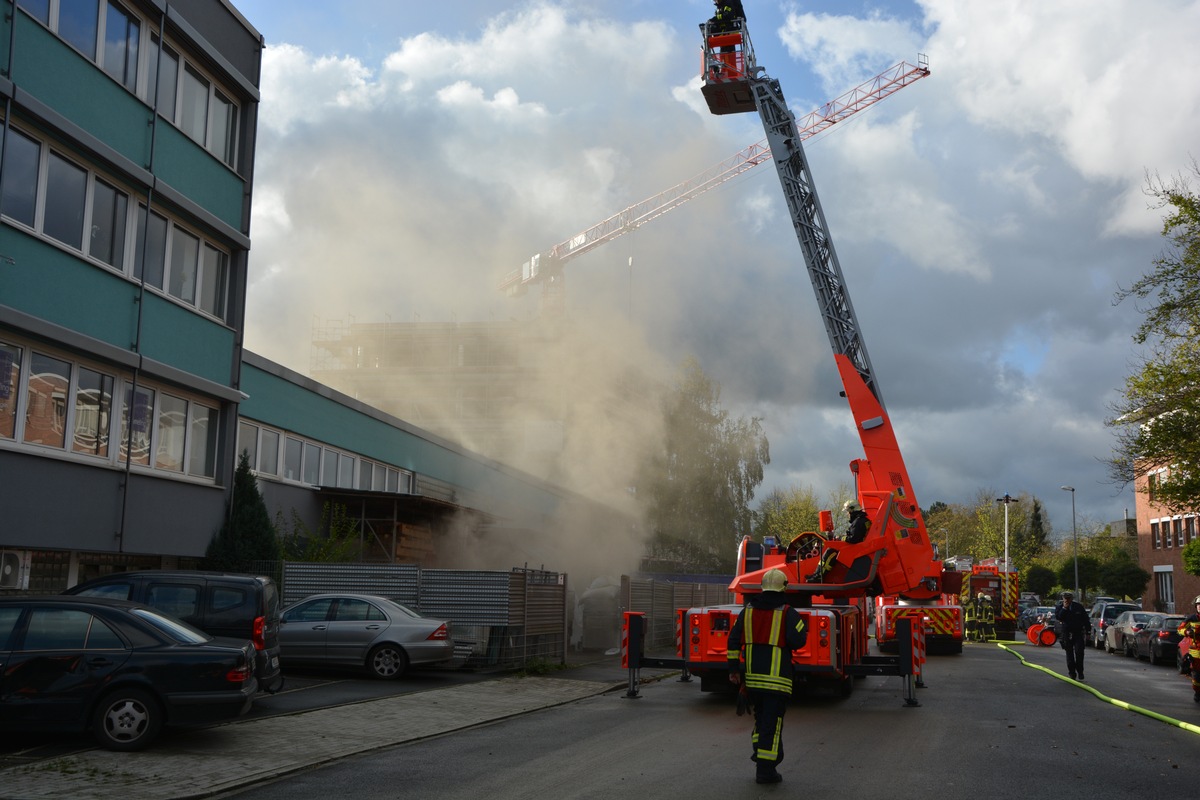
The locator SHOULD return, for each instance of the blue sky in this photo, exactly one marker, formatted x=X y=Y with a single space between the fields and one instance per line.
x=411 y=154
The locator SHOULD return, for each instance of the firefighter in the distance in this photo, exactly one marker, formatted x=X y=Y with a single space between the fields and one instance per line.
x=1191 y=627
x=760 y=656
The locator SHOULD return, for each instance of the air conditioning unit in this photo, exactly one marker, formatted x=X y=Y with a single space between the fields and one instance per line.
x=14 y=569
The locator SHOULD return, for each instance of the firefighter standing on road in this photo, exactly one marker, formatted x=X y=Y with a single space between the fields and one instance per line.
x=760 y=655
x=1076 y=625
x=1191 y=627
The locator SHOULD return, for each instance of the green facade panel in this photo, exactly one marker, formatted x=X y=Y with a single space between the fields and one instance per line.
x=197 y=174
x=174 y=335
x=59 y=287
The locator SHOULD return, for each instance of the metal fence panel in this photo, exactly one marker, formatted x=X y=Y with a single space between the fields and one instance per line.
x=400 y=582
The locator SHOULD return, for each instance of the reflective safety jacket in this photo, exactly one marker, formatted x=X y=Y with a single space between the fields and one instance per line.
x=761 y=642
x=1191 y=627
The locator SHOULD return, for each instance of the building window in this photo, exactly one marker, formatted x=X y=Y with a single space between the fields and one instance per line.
x=185 y=250
x=150 y=252
x=202 y=458
x=137 y=415
x=18 y=198
x=172 y=433
x=268 y=452
x=312 y=464
x=293 y=453
x=193 y=106
x=364 y=474
x=248 y=441
x=66 y=194
x=162 y=77
x=46 y=401
x=1155 y=536
x=122 y=34
x=1177 y=527
x=79 y=25
x=39 y=403
x=213 y=281
x=329 y=464
x=10 y=382
x=38 y=9
x=110 y=210
x=1189 y=530
x=93 y=412
x=223 y=134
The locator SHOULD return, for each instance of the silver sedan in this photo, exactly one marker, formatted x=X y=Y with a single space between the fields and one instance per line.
x=361 y=630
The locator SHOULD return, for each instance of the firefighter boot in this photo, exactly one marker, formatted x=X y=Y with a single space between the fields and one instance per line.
x=766 y=773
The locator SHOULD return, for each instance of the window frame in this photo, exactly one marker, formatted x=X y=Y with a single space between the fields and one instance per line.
x=111 y=421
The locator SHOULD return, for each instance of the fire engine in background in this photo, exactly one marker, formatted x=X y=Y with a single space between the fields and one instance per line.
x=997 y=581
x=830 y=580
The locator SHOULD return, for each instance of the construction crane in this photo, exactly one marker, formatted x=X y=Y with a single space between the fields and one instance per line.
x=546 y=268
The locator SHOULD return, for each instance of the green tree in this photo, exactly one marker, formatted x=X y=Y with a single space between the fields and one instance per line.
x=247 y=534
x=1156 y=418
x=1040 y=580
x=787 y=513
x=1122 y=577
x=1089 y=574
x=698 y=487
x=335 y=540
x=1191 y=557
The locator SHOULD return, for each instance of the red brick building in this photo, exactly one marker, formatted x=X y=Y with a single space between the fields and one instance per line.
x=1161 y=538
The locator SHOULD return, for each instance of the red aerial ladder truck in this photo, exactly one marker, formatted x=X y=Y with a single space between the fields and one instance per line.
x=829 y=580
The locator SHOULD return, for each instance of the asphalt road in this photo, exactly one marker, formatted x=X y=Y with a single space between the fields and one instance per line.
x=992 y=724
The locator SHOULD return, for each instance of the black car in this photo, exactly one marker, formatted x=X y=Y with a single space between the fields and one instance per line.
x=1159 y=639
x=218 y=603
x=122 y=670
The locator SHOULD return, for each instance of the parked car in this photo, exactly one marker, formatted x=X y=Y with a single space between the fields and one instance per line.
x=1034 y=615
x=1183 y=655
x=122 y=670
x=1103 y=613
x=362 y=630
x=1118 y=635
x=1159 y=639
x=218 y=603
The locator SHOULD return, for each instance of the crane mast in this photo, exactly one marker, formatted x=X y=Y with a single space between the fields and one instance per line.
x=899 y=558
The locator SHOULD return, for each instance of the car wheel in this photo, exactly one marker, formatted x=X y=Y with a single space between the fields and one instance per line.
x=1128 y=650
x=1153 y=658
x=387 y=661
x=127 y=719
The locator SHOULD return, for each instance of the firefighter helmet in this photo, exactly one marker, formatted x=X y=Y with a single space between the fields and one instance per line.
x=1069 y=595
x=852 y=506
x=1196 y=602
x=774 y=580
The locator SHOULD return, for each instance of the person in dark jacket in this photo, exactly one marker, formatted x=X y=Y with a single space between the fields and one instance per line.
x=760 y=649
x=727 y=11
x=1076 y=625
x=859 y=524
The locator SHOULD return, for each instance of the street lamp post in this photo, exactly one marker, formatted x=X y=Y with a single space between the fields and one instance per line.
x=1074 y=538
x=1006 y=500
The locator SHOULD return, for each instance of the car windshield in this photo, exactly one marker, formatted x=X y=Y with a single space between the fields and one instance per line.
x=176 y=629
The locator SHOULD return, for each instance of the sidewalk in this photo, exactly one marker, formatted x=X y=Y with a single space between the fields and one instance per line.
x=203 y=763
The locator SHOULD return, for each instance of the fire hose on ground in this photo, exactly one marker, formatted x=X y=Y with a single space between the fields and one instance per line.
x=1187 y=726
